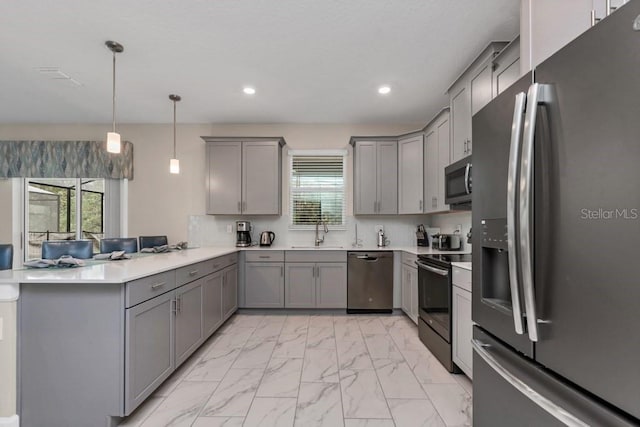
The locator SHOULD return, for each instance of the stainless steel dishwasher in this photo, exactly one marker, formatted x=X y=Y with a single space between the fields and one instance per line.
x=370 y=282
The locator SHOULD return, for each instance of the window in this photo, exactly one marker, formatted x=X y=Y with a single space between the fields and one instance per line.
x=55 y=213
x=316 y=189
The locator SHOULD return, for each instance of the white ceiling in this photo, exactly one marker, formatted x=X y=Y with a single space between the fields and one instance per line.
x=311 y=61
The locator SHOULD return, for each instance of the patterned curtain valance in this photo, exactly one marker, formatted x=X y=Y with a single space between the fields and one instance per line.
x=64 y=159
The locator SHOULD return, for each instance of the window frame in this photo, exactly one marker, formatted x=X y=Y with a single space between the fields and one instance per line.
x=317 y=153
x=112 y=209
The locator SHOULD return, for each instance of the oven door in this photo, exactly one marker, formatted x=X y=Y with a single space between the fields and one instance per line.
x=434 y=298
x=458 y=182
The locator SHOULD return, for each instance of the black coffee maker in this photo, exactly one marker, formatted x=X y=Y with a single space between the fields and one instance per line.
x=243 y=234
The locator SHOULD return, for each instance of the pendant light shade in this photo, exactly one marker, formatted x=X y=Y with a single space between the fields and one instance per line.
x=174 y=163
x=113 y=138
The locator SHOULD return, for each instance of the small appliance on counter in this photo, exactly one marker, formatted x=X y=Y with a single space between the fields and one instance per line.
x=243 y=234
x=267 y=238
x=382 y=239
x=421 y=236
x=446 y=242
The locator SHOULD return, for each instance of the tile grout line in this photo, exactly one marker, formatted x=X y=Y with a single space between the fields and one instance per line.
x=304 y=352
x=265 y=368
x=222 y=379
x=386 y=402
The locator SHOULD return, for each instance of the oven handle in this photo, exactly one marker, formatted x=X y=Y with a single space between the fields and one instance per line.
x=432 y=269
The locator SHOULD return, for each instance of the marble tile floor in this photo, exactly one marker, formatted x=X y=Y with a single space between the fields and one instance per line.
x=310 y=370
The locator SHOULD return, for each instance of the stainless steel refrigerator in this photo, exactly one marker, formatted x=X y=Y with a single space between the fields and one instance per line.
x=556 y=260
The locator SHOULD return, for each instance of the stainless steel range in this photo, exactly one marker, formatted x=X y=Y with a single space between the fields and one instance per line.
x=434 y=304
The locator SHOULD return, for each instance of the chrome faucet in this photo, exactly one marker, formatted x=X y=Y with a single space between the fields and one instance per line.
x=326 y=230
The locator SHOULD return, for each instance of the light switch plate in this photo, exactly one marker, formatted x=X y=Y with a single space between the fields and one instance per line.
x=229 y=228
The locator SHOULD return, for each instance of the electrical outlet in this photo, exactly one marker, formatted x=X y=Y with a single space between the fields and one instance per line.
x=378 y=228
x=229 y=228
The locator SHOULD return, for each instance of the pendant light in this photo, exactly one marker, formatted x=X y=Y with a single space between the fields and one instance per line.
x=113 y=138
x=174 y=163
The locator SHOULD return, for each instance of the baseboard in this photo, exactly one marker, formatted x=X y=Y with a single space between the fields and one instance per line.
x=12 y=421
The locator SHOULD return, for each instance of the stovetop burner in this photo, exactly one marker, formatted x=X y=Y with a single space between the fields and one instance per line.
x=445 y=259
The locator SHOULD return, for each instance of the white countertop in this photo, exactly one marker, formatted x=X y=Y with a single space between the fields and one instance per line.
x=126 y=270
x=465 y=265
x=114 y=271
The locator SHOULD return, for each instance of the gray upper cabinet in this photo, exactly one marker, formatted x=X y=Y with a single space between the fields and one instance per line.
x=410 y=174
x=375 y=176
x=261 y=177
x=225 y=178
x=436 y=158
x=468 y=94
x=460 y=121
x=506 y=66
x=149 y=348
x=244 y=176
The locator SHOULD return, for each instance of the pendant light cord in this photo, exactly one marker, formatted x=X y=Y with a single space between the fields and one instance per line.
x=113 y=103
x=174 y=129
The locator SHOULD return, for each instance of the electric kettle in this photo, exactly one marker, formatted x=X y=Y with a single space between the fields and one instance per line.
x=267 y=238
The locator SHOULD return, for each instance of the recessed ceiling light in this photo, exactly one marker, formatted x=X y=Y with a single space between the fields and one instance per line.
x=249 y=90
x=383 y=90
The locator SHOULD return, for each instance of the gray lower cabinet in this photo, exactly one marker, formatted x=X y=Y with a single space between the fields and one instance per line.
x=149 y=348
x=300 y=285
x=120 y=341
x=212 y=302
x=229 y=291
x=316 y=279
x=331 y=285
x=188 y=327
x=410 y=286
x=264 y=284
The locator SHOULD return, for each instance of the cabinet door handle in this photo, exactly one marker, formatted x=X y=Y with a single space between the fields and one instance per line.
x=174 y=306
x=264 y=256
x=158 y=285
x=244 y=206
x=379 y=206
x=281 y=271
x=193 y=273
x=239 y=207
x=420 y=208
x=179 y=303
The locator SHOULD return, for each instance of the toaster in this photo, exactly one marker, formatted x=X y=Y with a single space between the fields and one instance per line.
x=446 y=242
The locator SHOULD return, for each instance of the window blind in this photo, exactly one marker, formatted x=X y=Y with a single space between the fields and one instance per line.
x=316 y=190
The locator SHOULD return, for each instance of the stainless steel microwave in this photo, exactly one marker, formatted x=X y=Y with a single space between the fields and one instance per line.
x=458 y=183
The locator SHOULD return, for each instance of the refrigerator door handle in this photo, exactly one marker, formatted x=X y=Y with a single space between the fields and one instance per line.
x=512 y=180
x=467 y=169
x=534 y=97
x=550 y=407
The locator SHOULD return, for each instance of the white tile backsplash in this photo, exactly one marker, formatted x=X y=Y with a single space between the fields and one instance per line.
x=211 y=230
